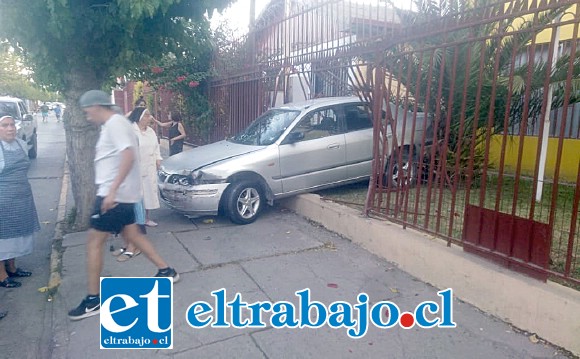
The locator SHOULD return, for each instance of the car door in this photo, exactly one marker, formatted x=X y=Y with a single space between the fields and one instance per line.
x=313 y=153
x=358 y=131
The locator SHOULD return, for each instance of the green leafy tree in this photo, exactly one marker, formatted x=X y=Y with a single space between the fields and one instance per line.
x=15 y=78
x=75 y=46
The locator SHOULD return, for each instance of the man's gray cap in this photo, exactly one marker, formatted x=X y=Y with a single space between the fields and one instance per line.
x=95 y=98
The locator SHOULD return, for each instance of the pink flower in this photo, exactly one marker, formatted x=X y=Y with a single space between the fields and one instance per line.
x=157 y=70
x=180 y=78
x=193 y=84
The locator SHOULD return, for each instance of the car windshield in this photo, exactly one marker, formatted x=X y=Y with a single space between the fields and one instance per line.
x=267 y=128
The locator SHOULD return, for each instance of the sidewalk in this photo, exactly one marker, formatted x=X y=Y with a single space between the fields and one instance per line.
x=270 y=260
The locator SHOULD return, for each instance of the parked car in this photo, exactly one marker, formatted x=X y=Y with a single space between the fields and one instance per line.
x=288 y=150
x=26 y=125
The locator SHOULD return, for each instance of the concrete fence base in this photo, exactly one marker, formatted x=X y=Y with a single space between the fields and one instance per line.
x=548 y=309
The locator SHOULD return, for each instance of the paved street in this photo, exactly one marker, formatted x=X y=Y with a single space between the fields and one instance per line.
x=268 y=260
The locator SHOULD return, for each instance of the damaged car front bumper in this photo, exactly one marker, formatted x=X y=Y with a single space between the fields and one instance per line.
x=191 y=199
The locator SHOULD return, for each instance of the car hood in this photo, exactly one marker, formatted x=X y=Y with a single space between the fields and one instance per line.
x=202 y=156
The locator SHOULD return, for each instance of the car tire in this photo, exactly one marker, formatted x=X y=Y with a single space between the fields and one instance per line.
x=244 y=202
x=33 y=152
x=401 y=174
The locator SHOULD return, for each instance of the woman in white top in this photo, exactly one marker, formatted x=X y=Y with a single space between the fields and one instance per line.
x=150 y=159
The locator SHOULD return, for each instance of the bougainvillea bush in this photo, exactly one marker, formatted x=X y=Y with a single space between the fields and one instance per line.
x=187 y=81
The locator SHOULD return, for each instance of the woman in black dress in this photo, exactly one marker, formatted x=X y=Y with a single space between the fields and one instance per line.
x=176 y=132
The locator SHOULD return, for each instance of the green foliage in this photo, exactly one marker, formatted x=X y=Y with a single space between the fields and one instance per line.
x=100 y=40
x=232 y=53
x=78 y=45
x=105 y=38
x=186 y=76
x=15 y=79
x=197 y=113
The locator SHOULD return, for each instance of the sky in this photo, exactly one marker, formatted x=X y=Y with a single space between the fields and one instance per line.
x=238 y=14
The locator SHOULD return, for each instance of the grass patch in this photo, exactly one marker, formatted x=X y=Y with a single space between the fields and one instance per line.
x=69 y=221
x=441 y=210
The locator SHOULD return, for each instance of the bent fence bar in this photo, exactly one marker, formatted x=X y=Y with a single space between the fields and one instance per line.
x=498 y=166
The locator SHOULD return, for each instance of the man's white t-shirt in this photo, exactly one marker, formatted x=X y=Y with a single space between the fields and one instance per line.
x=117 y=134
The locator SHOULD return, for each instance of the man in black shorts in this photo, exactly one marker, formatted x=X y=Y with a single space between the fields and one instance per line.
x=118 y=189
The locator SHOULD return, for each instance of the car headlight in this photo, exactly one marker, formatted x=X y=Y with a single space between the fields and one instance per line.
x=180 y=180
x=194 y=178
x=176 y=179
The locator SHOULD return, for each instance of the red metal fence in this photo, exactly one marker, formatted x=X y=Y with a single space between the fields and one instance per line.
x=502 y=74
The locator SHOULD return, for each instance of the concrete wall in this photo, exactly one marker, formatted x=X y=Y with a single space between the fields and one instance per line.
x=547 y=309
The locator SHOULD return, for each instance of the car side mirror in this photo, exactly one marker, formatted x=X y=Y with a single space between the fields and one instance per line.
x=294 y=137
x=28 y=117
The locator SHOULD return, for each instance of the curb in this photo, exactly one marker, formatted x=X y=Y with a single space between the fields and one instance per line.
x=56 y=248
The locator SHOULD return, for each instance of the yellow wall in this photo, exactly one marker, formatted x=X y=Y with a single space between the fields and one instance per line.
x=569 y=163
x=566 y=32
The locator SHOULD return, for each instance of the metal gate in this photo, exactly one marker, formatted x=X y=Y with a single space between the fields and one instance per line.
x=476 y=135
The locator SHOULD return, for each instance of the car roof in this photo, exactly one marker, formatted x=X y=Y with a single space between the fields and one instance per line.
x=9 y=98
x=319 y=102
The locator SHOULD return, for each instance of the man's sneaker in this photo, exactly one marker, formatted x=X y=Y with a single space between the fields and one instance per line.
x=168 y=272
x=87 y=308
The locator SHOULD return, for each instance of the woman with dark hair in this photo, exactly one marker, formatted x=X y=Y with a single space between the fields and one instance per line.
x=140 y=102
x=19 y=220
x=176 y=132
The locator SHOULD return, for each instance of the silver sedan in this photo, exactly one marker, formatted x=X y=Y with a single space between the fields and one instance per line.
x=288 y=150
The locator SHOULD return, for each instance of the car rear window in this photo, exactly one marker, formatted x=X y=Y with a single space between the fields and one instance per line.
x=9 y=107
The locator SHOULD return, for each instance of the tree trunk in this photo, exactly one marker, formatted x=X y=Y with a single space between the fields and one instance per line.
x=81 y=137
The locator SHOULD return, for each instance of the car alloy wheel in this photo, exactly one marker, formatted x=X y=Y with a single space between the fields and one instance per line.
x=402 y=173
x=244 y=202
